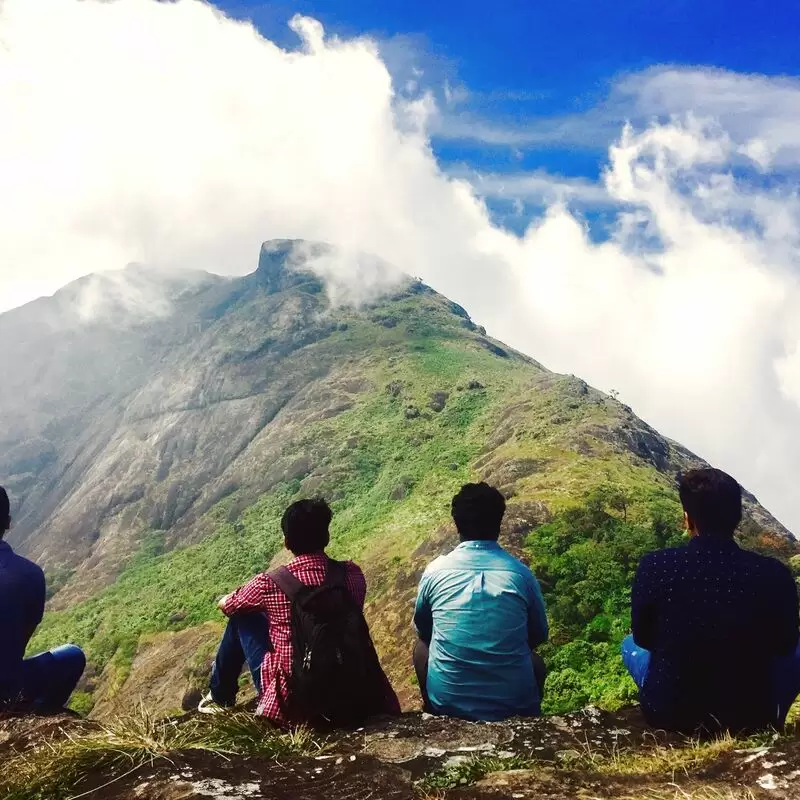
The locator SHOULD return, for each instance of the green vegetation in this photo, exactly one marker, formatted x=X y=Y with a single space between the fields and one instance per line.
x=585 y=561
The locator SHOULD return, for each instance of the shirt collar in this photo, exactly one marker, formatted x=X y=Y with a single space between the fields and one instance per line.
x=479 y=544
x=309 y=558
x=720 y=543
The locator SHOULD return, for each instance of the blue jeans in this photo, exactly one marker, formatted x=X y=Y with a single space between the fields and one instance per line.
x=246 y=640
x=47 y=680
x=785 y=674
x=636 y=660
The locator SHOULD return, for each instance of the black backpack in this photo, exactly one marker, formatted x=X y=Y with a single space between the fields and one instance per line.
x=336 y=678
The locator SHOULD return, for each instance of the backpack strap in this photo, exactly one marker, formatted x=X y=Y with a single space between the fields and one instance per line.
x=287 y=582
x=336 y=574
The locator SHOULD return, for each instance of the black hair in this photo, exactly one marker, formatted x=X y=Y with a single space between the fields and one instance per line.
x=305 y=526
x=5 y=512
x=478 y=511
x=713 y=501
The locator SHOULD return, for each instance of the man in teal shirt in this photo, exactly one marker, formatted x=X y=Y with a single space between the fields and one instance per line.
x=479 y=616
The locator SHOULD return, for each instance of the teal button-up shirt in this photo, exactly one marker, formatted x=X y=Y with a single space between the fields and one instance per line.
x=481 y=612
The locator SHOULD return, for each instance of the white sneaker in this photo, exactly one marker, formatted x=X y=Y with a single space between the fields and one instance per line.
x=207 y=705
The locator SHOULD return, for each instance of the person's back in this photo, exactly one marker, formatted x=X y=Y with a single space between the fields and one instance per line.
x=479 y=614
x=46 y=680
x=22 y=598
x=717 y=621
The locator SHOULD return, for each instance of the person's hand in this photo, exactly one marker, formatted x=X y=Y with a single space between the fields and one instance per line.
x=222 y=602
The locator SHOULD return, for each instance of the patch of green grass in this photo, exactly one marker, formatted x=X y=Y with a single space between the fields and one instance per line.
x=693 y=793
x=81 y=702
x=471 y=771
x=664 y=759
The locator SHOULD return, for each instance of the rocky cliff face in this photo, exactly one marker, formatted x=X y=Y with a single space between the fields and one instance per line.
x=154 y=427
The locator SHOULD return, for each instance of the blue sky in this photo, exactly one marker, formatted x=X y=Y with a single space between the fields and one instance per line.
x=565 y=48
x=534 y=58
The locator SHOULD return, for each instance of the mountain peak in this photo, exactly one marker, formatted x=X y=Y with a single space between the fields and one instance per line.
x=281 y=261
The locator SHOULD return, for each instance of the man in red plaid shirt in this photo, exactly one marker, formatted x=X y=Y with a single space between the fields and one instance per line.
x=259 y=630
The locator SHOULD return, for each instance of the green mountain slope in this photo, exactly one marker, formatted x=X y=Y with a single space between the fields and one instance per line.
x=165 y=479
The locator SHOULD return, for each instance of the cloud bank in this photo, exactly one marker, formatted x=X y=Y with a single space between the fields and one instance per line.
x=168 y=135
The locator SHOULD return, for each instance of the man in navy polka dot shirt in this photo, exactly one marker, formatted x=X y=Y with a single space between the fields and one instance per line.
x=715 y=627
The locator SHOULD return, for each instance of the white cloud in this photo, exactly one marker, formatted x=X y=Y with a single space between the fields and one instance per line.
x=536 y=186
x=165 y=134
x=759 y=113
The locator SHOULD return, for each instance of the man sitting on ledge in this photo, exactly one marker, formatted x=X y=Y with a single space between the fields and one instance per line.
x=479 y=616
x=301 y=631
x=715 y=627
x=45 y=681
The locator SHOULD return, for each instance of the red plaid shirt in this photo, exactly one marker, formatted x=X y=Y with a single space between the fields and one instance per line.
x=262 y=594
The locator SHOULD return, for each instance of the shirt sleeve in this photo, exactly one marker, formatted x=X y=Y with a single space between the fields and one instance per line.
x=250 y=597
x=538 y=628
x=356 y=583
x=38 y=596
x=423 y=615
x=785 y=615
x=643 y=607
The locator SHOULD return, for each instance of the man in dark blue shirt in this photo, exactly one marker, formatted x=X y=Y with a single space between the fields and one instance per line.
x=715 y=627
x=45 y=681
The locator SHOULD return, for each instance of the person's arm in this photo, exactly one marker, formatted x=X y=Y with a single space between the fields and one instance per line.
x=356 y=583
x=250 y=597
x=785 y=615
x=423 y=615
x=643 y=607
x=538 y=628
x=36 y=601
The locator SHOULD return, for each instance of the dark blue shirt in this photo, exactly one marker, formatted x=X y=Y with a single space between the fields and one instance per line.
x=715 y=618
x=22 y=596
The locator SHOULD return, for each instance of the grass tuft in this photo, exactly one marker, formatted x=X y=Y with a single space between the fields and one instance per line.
x=693 y=793
x=60 y=767
x=663 y=759
x=471 y=771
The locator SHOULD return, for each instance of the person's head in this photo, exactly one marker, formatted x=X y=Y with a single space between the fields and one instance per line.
x=305 y=526
x=5 y=512
x=478 y=511
x=712 y=503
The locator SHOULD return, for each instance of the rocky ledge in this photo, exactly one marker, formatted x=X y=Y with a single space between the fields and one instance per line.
x=589 y=754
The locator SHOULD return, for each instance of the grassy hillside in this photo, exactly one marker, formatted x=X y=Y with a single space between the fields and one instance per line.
x=413 y=401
